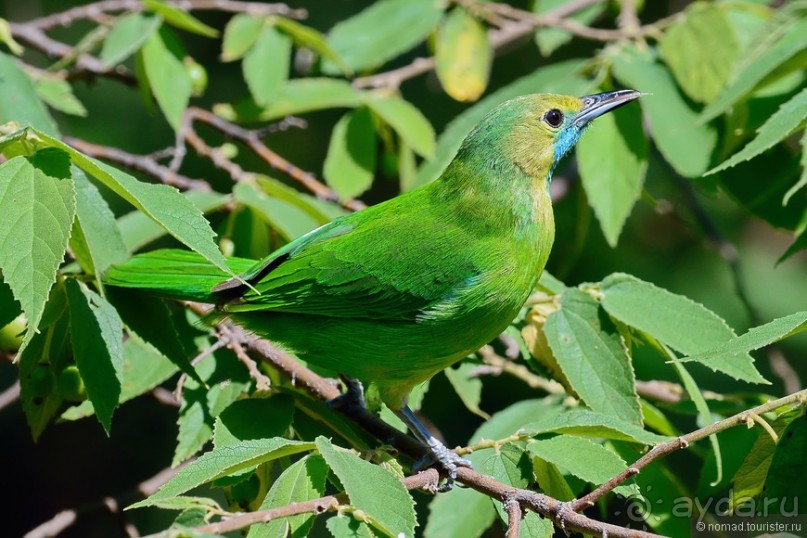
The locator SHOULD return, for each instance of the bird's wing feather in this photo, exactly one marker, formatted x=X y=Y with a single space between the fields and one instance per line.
x=356 y=268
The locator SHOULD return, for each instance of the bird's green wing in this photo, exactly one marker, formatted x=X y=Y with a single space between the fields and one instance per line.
x=394 y=261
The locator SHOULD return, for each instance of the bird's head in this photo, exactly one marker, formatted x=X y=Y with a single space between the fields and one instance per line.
x=533 y=132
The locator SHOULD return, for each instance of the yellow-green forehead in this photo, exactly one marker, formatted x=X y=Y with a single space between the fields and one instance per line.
x=542 y=102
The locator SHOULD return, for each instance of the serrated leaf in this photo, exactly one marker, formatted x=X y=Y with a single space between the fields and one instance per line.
x=700 y=50
x=755 y=338
x=381 y=32
x=18 y=99
x=297 y=96
x=288 y=220
x=58 y=94
x=409 y=122
x=163 y=204
x=127 y=35
x=684 y=143
x=240 y=35
x=224 y=461
x=582 y=458
x=749 y=480
x=782 y=44
x=350 y=163
x=675 y=320
x=592 y=357
x=104 y=240
x=612 y=158
x=373 y=490
x=176 y=16
x=778 y=127
x=37 y=207
x=237 y=422
x=143 y=369
x=468 y=388
x=189 y=503
x=550 y=39
x=463 y=56
x=163 y=63
x=563 y=77
x=585 y=423
x=266 y=65
x=302 y=481
x=344 y=526
x=97 y=336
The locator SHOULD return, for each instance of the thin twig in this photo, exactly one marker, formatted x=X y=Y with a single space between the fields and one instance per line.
x=668 y=447
x=141 y=163
x=10 y=395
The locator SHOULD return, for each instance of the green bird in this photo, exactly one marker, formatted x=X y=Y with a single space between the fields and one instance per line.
x=397 y=292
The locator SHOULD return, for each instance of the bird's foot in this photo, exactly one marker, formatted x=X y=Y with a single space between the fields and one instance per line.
x=353 y=398
x=448 y=460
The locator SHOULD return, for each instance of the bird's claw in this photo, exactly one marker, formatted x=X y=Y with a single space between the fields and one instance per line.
x=440 y=455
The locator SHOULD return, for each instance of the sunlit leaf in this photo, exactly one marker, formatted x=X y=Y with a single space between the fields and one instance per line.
x=240 y=35
x=350 y=163
x=18 y=99
x=163 y=63
x=58 y=94
x=463 y=56
x=266 y=65
x=180 y=18
x=409 y=122
x=128 y=34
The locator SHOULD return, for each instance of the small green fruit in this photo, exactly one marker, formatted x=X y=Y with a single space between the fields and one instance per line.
x=197 y=74
x=71 y=384
x=11 y=334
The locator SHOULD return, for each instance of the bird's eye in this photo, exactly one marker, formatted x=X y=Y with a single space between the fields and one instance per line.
x=554 y=117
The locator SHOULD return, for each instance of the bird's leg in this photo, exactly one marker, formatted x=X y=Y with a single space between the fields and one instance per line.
x=438 y=453
x=353 y=398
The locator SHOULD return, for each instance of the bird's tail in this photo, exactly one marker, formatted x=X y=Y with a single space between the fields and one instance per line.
x=173 y=274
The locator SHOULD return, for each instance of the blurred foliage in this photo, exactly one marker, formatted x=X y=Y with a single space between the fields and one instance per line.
x=702 y=191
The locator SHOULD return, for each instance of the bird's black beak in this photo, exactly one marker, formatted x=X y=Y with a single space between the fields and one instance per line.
x=598 y=104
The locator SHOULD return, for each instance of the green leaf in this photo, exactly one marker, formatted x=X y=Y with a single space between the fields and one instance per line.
x=180 y=18
x=410 y=124
x=227 y=380
x=381 y=32
x=675 y=320
x=288 y=220
x=305 y=36
x=551 y=481
x=297 y=96
x=582 y=458
x=685 y=144
x=563 y=77
x=700 y=50
x=548 y=38
x=802 y=182
x=782 y=44
x=9 y=307
x=240 y=35
x=7 y=38
x=351 y=160
x=266 y=65
x=224 y=461
x=584 y=423
x=783 y=486
x=468 y=388
x=58 y=94
x=755 y=338
x=302 y=481
x=749 y=480
x=320 y=210
x=143 y=369
x=98 y=225
x=40 y=361
x=592 y=357
x=97 y=336
x=778 y=127
x=37 y=207
x=163 y=63
x=463 y=56
x=612 y=158
x=372 y=489
x=237 y=422
x=18 y=99
x=344 y=526
x=163 y=204
x=127 y=35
